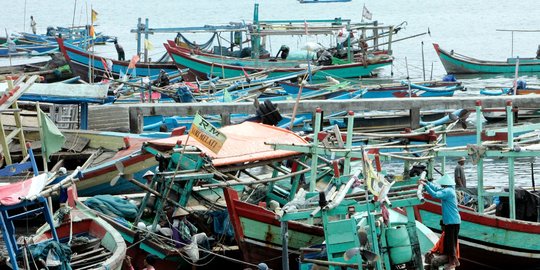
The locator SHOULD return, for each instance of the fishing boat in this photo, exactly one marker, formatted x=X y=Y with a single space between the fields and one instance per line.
x=521 y=88
x=216 y=65
x=346 y=62
x=503 y=239
x=27 y=50
x=260 y=229
x=321 y=1
x=185 y=169
x=80 y=62
x=400 y=90
x=455 y=63
x=79 y=239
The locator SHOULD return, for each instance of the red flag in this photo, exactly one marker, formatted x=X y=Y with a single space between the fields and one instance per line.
x=133 y=61
x=248 y=79
x=104 y=63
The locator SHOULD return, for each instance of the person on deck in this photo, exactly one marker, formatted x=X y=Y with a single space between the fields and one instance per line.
x=33 y=24
x=120 y=51
x=185 y=233
x=445 y=191
x=538 y=52
x=459 y=174
x=149 y=262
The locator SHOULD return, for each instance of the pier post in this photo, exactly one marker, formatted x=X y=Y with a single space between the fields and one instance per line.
x=135 y=120
x=415 y=117
x=285 y=245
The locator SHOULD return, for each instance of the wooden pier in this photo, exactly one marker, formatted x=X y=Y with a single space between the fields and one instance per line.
x=136 y=112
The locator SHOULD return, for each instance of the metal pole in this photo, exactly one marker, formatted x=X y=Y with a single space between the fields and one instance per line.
x=348 y=144
x=285 y=246
x=139 y=37
x=423 y=63
x=314 y=145
x=146 y=38
x=511 y=188
x=480 y=164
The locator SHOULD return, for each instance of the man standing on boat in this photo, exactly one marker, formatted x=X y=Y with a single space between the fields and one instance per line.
x=459 y=174
x=120 y=51
x=446 y=192
x=33 y=24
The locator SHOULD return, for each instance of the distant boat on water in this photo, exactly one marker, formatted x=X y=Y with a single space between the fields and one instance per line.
x=321 y=1
x=455 y=63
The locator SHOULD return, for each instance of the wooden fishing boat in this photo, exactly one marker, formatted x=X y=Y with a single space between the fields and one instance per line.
x=80 y=238
x=79 y=60
x=181 y=178
x=216 y=65
x=27 y=50
x=507 y=239
x=455 y=63
x=260 y=231
x=321 y=1
x=522 y=113
x=401 y=90
x=356 y=62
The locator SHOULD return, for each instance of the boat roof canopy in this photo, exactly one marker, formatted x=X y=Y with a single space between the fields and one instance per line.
x=246 y=142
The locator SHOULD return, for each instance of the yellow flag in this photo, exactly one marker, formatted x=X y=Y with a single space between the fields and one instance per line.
x=148 y=45
x=205 y=133
x=94 y=16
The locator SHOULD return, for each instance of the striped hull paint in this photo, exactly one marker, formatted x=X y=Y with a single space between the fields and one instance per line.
x=454 y=64
x=79 y=60
x=258 y=233
x=185 y=60
x=490 y=242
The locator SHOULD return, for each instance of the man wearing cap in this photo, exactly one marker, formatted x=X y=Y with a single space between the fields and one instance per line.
x=446 y=192
x=459 y=174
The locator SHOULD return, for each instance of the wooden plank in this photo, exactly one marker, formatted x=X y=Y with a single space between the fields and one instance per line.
x=75 y=143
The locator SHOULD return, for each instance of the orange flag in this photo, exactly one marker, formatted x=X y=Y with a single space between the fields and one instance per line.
x=133 y=61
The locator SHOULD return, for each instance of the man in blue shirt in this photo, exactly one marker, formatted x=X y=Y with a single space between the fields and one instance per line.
x=444 y=189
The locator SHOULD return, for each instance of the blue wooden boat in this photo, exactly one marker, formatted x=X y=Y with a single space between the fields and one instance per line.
x=455 y=63
x=78 y=60
x=321 y=1
x=425 y=89
x=28 y=50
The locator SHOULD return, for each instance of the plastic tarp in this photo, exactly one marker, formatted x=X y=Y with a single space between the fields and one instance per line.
x=112 y=205
x=245 y=142
x=14 y=193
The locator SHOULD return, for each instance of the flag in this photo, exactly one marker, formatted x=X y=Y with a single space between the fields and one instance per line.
x=208 y=135
x=366 y=14
x=133 y=61
x=92 y=32
x=51 y=137
x=94 y=16
x=105 y=67
x=148 y=45
x=305 y=27
x=227 y=96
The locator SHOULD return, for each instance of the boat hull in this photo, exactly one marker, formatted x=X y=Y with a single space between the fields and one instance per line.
x=490 y=242
x=79 y=63
x=465 y=65
x=216 y=67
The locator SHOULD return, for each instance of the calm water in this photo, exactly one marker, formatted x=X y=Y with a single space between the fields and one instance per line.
x=468 y=27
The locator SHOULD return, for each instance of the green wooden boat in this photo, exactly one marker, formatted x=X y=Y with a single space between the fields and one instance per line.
x=455 y=63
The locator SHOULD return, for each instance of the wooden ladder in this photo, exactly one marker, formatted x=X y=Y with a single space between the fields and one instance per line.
x=8 y=104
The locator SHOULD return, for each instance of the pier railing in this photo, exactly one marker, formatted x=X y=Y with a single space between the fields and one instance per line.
x=137 y=111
